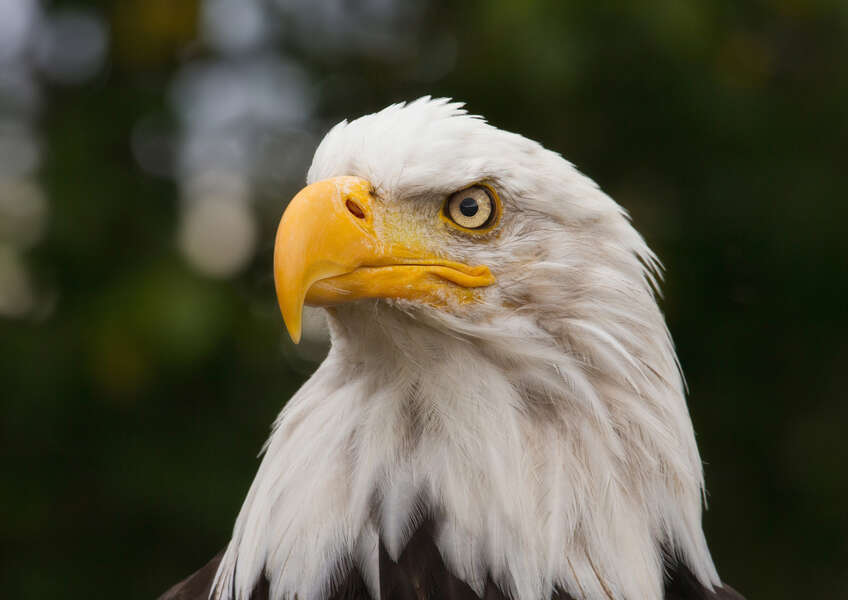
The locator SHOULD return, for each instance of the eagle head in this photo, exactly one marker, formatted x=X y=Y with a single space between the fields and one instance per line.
x=499 y=367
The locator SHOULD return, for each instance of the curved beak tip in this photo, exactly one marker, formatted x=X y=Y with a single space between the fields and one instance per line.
x=292 y=316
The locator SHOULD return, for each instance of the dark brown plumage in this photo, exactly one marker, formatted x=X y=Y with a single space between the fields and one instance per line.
x=421 y=574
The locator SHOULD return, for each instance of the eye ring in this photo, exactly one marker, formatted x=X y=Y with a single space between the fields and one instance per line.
x=473 y=209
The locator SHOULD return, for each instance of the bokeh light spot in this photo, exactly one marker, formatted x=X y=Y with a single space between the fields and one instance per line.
x=71 y=46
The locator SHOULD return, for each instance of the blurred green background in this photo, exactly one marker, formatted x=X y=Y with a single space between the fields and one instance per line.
x=148 y=147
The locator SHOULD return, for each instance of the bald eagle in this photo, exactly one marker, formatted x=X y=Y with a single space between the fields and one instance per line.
x=501 y=414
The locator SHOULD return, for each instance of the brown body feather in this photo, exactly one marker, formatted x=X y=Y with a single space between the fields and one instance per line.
x=421 y=574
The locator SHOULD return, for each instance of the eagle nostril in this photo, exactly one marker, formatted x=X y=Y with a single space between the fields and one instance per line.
x=355 y=209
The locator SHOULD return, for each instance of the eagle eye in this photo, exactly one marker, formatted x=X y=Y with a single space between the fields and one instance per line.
x=473 y=208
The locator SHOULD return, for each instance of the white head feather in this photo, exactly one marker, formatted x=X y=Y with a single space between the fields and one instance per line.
x=546 y=426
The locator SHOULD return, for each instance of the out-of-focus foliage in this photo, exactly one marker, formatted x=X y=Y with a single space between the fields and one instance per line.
x=148 y=147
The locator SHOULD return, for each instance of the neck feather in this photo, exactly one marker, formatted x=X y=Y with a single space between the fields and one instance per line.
x=540 y=468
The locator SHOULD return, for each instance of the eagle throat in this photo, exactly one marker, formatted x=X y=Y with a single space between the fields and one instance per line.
x=533 y=469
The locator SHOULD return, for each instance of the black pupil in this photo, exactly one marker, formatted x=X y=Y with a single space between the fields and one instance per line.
x=468 y=207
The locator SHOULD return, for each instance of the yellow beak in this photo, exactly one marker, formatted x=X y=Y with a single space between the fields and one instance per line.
x=327 y=252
